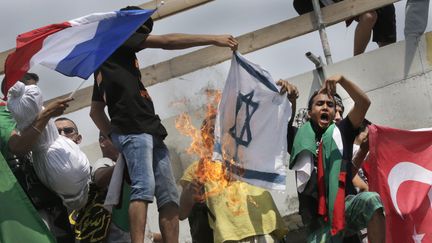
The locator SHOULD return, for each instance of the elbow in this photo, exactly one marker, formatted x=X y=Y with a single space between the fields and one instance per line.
x=182 y=215
x=368 y=102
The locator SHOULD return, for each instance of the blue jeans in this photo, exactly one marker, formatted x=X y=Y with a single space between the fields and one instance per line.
x=149 y=167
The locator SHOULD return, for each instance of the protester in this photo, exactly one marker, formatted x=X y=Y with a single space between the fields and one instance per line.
x=135 y=128
x=30 y=79
x=243 y=222
x=321 y=156
x=58 y=162
x=381 y=21
x=48 y=204
x=102 y=171
x=340 y=108
x=66 y=127
x=358 y=180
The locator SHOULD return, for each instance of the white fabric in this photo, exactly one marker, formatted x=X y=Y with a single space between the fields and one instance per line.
x=252 y=106
x=58 y=161
x=114 y=189
x=303 y=168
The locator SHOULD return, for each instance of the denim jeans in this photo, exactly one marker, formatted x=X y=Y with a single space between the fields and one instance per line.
x=149 y=167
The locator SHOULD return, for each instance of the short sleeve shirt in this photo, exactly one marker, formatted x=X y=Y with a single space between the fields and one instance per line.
x=118 y=84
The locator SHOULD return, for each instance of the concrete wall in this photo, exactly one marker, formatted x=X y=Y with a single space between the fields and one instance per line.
x=397 y=78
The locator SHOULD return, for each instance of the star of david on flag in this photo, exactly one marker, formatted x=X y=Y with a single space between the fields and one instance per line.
x=251 y=126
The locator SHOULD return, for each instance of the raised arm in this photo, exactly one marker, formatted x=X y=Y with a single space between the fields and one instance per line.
x=183 y=41
x=361 y=100
x=292 y=95
x=21 y=143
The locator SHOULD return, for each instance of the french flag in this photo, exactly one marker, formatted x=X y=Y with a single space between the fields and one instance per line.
x=74 y=48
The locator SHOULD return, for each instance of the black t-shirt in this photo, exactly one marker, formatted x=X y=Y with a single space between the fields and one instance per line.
x=118 y=84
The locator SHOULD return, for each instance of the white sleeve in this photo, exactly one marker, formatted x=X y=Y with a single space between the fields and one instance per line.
x=303 y=168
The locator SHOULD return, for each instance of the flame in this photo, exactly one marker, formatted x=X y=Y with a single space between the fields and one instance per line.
x=216 y=175
x=207 y=171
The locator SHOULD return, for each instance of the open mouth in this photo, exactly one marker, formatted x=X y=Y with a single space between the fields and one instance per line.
x=325 y=118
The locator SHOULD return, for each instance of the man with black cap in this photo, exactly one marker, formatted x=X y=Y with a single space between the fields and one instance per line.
x=137 y=131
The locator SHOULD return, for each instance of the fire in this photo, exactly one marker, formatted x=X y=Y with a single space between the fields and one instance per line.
x=216 y=177
x=208 y=172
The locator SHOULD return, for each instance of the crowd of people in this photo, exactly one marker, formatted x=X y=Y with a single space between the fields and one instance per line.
x=335 y=204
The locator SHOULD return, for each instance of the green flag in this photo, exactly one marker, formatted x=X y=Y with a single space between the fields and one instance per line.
x=19 y=220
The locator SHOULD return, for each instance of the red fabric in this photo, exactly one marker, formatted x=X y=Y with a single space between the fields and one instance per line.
x=322 y=207
x=27 y=45
x=401 y=172
x=338 y=221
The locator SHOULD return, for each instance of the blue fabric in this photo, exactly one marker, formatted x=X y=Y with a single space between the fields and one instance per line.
x=87 y=56
x=252 y=71
x=149 y=167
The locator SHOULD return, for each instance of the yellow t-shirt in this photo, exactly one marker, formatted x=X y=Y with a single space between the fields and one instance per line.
x=240 y=210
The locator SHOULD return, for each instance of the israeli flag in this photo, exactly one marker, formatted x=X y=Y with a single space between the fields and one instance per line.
x=251 y=126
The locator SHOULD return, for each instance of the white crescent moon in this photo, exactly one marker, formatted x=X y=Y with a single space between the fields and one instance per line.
x=407 y=171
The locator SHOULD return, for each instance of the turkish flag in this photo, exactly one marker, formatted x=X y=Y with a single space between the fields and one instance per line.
x=401 y=172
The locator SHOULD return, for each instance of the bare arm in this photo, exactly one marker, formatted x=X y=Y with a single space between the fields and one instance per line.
x=292 y=95
x=22 y=143
x=361 y=100
x=97 y=114
x=102 y=176
x=189 y=196
x=361 y=154
x=183 y=41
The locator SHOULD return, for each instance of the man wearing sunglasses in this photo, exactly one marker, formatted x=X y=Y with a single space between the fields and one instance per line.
x=66 y=127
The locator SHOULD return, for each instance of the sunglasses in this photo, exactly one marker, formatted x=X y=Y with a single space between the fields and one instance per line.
x=66 y=130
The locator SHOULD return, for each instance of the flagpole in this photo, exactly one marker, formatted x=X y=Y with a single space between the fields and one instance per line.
x=79 y=86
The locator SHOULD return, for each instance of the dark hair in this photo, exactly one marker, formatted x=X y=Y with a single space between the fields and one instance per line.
x=147 y=27
x=67 y=119
x=29 y=76
x=338 y=100
x=310 y=102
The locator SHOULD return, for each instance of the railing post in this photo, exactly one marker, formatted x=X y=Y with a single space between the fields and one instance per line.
x=322 y=32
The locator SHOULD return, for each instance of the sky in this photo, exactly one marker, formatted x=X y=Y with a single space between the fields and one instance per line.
x=234 y=17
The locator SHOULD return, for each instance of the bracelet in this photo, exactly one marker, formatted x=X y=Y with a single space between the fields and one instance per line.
x=37 y=130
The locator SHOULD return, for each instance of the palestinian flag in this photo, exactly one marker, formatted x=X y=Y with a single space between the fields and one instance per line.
x=331 y=172
x=19 y=220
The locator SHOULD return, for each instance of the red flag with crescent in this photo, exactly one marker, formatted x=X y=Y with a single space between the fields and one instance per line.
x=401 y=172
